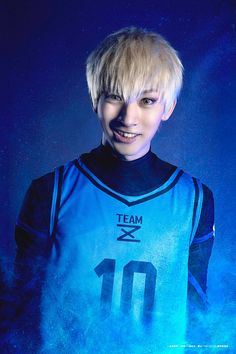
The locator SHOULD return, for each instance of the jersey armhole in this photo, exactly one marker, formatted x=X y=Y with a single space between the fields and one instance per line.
x=56 y=199
x=198 y=199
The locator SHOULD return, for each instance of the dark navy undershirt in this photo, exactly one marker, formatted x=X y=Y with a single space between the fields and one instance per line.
x=135 y=177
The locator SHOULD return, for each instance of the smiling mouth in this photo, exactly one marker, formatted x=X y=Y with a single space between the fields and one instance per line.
x=126 y=134
x=125 y=137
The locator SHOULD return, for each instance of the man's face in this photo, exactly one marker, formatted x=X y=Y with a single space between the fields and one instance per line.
x=128 y=127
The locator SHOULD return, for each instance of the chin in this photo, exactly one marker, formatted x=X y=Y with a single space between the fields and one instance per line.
x=126 y=149
x=127 y=153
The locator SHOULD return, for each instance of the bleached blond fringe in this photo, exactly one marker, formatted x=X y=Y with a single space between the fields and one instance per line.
x=132 y=60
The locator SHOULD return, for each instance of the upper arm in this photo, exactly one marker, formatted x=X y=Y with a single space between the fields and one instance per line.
x=201 y=248
x=33 y=223
x=206 y=222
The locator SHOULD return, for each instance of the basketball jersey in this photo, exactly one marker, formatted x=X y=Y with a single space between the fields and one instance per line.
x=117 y=277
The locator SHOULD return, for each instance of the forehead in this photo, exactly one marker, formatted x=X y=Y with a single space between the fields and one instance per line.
x=149 y=91
x=131 y=87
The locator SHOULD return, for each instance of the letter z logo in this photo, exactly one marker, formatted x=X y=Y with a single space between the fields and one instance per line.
x=128 y=234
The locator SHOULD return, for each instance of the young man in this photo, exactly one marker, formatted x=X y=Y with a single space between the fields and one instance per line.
x=124 y=235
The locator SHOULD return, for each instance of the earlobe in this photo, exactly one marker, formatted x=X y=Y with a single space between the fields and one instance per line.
x=167 y=114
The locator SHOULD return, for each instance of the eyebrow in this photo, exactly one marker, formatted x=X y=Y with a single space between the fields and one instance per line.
x=148 y=91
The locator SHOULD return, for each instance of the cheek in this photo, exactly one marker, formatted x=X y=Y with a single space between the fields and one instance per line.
x=105 y=115
x=152 y=125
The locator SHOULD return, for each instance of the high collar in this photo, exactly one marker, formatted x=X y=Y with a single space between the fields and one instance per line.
x=106 y=155
x=127 y=177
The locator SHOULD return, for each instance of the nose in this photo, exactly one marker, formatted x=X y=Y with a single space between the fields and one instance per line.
x=129 y=114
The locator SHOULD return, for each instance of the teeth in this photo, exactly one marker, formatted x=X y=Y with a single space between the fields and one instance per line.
x=127 y=135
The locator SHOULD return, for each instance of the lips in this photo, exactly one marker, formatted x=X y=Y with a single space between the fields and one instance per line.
x=125 y=137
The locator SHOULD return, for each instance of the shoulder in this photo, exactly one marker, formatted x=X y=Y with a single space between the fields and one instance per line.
x=203 y=193
x=186 y=177
x=204 y=202
x=42 y=187
x=32 y=225
x=43 y=184
x=39 y=190
x=39 y=194
x=203 y=211
x=200 y=186
x=34 y=222
x=206 y=229
x=204 y=208
x=207 y=194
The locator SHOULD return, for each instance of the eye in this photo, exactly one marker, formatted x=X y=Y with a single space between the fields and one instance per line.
x=149 y=101
x=113 y=97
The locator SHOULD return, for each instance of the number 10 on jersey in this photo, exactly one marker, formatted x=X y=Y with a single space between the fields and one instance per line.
x=107 y=269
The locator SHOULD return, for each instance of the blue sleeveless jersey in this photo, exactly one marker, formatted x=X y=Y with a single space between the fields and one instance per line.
x=117 y=277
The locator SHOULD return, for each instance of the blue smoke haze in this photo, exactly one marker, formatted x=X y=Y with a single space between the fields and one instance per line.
x=46 y=116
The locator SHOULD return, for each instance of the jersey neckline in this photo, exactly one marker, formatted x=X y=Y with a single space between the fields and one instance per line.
x=127 y=199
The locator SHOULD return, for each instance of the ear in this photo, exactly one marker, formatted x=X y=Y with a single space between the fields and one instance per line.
x=169 y=111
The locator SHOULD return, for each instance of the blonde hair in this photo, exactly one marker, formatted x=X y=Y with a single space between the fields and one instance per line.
x=131 y=61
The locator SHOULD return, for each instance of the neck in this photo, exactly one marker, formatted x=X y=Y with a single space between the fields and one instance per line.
x=134 y=177
x=121 y=157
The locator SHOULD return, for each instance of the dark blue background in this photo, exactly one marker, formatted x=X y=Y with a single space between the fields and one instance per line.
x=46 y=116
